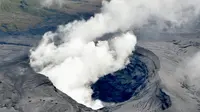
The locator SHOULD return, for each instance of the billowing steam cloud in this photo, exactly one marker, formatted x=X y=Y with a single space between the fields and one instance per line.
x=73 y=65
x=73 y=57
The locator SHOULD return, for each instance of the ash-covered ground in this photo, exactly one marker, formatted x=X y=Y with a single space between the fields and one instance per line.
x=162 y=76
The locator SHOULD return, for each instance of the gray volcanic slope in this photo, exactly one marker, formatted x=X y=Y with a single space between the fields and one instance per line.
x=174 y=57
x=23 y=90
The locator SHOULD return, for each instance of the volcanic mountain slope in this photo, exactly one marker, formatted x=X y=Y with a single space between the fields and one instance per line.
x=177 y=58
x=23 y=90
x=15 y=15
x=168 y=86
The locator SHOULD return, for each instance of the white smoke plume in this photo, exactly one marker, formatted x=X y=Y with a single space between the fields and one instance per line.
x=73 y=58
x=74 y=65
